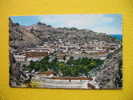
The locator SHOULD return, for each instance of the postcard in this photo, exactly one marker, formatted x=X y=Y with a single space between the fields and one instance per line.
x=82 y=51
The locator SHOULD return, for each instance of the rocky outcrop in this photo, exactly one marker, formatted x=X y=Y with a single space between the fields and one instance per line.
x=110 y=76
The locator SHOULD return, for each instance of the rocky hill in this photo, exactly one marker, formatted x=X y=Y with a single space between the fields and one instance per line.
x=30 y=36
x=110 y=76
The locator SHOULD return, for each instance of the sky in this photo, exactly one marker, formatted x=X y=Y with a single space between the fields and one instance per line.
x=105 y=23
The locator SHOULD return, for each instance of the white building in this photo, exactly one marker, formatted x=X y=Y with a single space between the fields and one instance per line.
x=20 y=58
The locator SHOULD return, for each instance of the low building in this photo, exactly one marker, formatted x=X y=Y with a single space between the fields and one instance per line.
x=47 y=74
x=65 y=82
x=35 y=56
x=20 y=58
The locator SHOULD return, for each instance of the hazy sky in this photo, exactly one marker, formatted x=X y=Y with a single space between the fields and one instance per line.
x=107 y=23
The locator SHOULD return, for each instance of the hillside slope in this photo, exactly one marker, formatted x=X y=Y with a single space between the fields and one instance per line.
x=30 y=36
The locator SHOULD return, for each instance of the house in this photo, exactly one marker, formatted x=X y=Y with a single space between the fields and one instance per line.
x=20 y=58
x=61 y=56
x=35 y=56
x=39 y=49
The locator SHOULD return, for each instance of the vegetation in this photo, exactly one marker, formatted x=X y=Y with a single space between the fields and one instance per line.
x=72 y=67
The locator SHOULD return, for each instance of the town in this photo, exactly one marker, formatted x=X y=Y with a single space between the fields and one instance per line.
x=95 y=49
x=63 y=51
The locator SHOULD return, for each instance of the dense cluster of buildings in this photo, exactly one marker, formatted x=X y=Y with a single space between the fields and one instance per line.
x=63 y=51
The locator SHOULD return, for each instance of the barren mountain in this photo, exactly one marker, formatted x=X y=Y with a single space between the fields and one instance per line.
x=30 y=36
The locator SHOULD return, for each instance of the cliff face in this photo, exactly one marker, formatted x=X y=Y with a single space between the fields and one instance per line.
x=110 y=76
x=21 y=37
x=37 y=34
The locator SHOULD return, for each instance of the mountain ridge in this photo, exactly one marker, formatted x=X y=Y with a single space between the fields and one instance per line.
x=29 y=36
